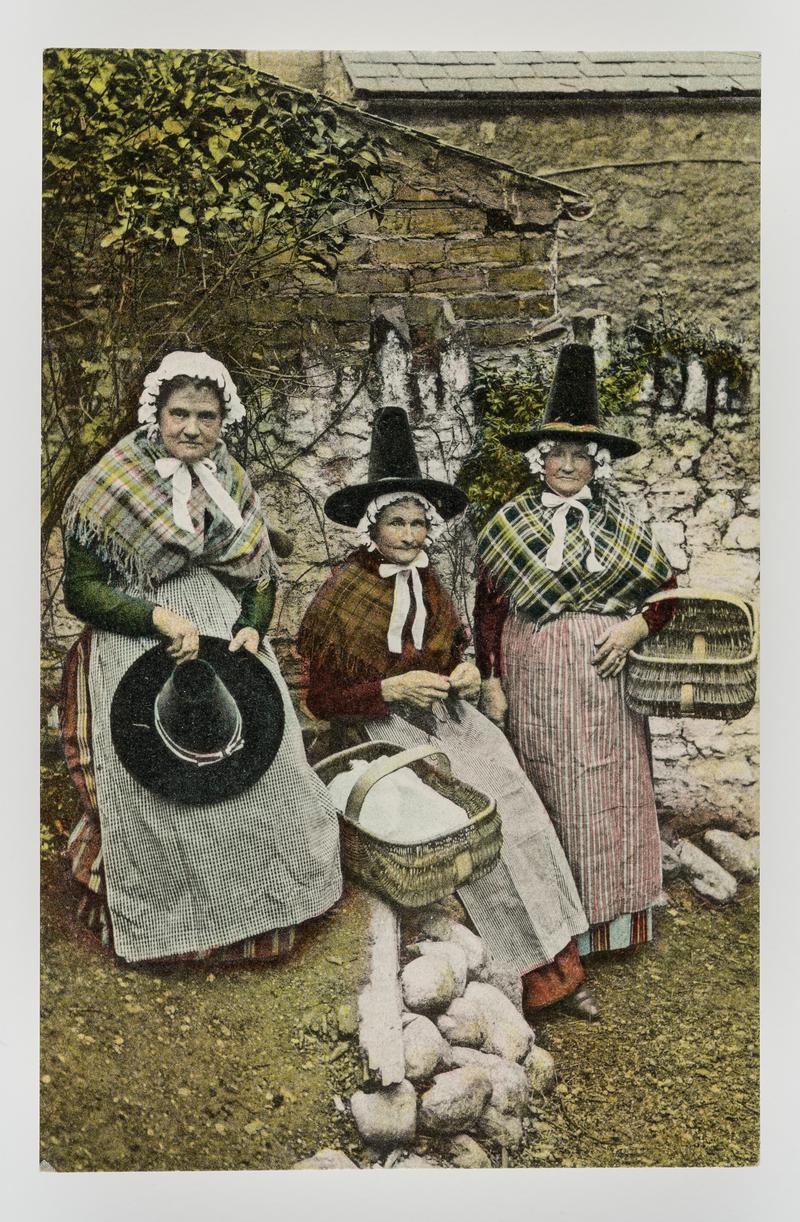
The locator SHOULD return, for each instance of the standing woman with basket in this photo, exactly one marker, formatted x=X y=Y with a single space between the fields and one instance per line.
x=565 y=569
x=166 y=543
x=385 y=651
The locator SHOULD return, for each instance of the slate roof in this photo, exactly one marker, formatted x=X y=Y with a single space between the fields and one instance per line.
x=448 y=73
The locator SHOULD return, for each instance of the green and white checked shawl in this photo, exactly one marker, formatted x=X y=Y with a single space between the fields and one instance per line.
x=514 y=543
x=122 y=511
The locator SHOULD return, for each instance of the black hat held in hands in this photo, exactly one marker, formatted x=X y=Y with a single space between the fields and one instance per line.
x=199 y=732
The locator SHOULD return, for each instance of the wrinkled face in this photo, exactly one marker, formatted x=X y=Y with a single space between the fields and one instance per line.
x=400 y=531
x=190 y=421
x=568 y=468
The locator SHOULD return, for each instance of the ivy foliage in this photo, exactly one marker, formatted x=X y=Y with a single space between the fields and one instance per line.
x=512 y=398
x=178 y=187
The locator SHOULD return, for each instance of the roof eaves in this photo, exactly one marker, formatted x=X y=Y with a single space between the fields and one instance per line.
x=510 y=173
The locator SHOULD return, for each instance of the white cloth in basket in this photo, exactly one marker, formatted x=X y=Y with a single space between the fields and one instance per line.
x=400 y=808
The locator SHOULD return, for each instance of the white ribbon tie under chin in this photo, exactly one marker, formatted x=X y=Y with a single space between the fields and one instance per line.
x=402 y=573
x=181 y=475
x=562 y=505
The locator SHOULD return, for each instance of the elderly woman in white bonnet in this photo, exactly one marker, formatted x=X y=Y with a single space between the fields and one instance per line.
x=166 y=540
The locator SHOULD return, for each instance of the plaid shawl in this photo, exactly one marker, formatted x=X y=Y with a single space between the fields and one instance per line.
x=122 y=511
x=514 y=543
x=346 y=624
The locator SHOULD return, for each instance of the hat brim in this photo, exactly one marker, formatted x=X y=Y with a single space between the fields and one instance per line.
x=150 y=762
x=618 y=447
x=348 y=505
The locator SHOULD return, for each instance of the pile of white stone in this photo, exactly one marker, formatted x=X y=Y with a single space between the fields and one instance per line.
x=453 y=1062
x=716 y=870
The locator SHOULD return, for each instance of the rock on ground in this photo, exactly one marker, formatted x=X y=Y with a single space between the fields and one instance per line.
x=413 y=1162
x=443 y=929
x=541 y=1070
x=454 y=955
x=464 y=1151
x=386 y=1117
x=503 y=978
x=429 y=984
x=671 y=865
x=499 y=1128
x=463 y=1023
x=738 y=856
x=705 y=875
x=455 y=1101
x=425 y=1048
x=326 y=1160
x=510 y=1086
x=507 y=1033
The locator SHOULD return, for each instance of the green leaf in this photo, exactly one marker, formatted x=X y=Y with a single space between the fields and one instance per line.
x=174 y=126
x=218 y=147
x=180 y=236
x=188 y=216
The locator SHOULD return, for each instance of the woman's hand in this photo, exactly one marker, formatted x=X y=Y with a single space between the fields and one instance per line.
x=247 y=639
x=613 y=646
x=493 y=701
x=466 y=680
x=183 y=635
x=420 y=688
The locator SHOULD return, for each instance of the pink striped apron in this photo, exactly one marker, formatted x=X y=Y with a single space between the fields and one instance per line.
x=586 y=754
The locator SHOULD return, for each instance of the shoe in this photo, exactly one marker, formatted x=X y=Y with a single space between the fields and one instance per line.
x=582 y=1005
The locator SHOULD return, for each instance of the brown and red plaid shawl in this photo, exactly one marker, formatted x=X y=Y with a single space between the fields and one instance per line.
x=122 y=511
x=346 y=624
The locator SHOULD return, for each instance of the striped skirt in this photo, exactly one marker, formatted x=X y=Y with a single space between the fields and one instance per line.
x=588 y=757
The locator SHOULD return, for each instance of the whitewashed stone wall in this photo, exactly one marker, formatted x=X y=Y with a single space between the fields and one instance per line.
x=697 y=485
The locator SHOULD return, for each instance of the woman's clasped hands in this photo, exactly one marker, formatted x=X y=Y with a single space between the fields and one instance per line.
x=422 y=688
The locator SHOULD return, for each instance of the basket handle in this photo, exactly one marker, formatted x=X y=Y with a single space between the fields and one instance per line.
x=750 y=610
x=717 y=595
x=377 y=771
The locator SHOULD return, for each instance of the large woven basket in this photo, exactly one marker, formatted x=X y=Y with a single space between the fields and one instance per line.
x=702 y=664
x=413 y=875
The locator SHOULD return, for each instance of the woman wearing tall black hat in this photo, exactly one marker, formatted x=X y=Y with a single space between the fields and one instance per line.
x=385 y=651
x=565 y=569
x=204 y=831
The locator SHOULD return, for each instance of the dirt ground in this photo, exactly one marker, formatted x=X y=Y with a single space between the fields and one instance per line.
x=191 y=1068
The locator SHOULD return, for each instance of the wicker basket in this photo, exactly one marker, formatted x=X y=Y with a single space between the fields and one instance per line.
x=413 y=875
x=702 y=664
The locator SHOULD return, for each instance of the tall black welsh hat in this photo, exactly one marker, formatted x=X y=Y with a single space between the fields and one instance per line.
x=199 y=732
x=393 y=467
x=572 y=411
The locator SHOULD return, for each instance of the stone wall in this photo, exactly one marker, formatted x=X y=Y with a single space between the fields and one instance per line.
x=699 y=487
x=675 y=188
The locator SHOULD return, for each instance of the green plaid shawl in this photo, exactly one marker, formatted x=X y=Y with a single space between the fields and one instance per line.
x=122 y=510
x=514 y=543
x=346 y=624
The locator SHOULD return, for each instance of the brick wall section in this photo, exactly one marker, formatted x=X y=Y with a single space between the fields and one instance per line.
x=499 y=278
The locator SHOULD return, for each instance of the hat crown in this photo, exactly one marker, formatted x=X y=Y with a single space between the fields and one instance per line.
x=195 y=710
x=393 y=454
x=573 y=394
